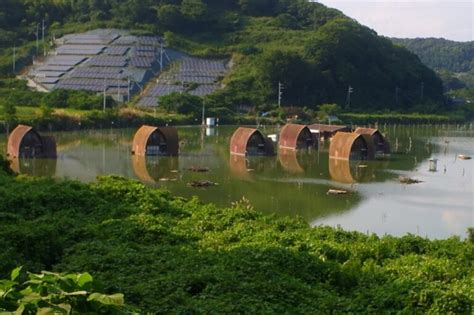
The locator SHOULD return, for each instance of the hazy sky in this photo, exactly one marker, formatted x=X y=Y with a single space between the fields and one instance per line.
x=450 y=19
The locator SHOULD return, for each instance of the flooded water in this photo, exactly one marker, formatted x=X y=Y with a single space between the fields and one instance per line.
x=296 y=184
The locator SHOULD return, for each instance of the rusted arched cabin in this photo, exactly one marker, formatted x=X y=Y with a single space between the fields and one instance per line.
x=351 y=146
x=149 y=140
x=295 y=137
x=381 y=144
x=26 y=142
x=249 y=141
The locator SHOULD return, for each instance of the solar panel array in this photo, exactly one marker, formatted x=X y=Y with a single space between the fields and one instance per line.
x=204 y=72
x=90 y=39
x=117 y=62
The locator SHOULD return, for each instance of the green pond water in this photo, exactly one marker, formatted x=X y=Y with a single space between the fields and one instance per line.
x=296 y=184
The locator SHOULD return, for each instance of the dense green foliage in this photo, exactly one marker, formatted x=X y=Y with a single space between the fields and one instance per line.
x=170 y=255
x=441 y=54
x=53 y=293
x=316 y=52
x=16 y=93
x=454 y=62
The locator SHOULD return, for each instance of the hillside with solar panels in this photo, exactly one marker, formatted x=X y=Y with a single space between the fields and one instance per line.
x=122 y=65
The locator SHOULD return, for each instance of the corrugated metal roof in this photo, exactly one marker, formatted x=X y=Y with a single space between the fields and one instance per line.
x=140 y=140
x=290 y=134
x=342 y=145
x=377 y=137
x=240 y=140
x=16 y=137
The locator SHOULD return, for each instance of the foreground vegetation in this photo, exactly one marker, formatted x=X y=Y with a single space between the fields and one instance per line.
x=171 y=255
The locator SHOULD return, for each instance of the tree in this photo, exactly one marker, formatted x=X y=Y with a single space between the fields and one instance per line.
x=169 y=17
x=326 y=110
x=181 y=103
x=194 y=10
x=9 y=115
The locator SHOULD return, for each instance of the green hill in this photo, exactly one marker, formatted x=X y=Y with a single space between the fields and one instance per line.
x=315 y=51
x=441 y=54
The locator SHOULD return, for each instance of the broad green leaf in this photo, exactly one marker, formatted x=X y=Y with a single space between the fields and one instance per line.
x=20 y=309
x=114 y=299
x=15 y=273
x=83 y=279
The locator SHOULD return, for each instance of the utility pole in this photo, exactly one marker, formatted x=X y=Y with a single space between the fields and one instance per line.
x=280 y=92
x=350 y=90
x=203 y=114
x=37 y=38
x=14 y=59
x=128 y=89
x=161 y=56
x=42 y=39
x=105 y=97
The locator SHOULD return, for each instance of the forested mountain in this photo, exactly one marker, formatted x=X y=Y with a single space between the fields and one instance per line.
x=315 y=51
x=441 y=54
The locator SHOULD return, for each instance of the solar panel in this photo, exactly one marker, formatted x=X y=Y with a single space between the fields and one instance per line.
x=125 y=41
x=108 y=61
x=49 y=74
x=149 y=40
x=142 y=62
x=65 y=60
x=54 y=68
x=163 y=89
x=117 y=50
x=148 y=102
x=100 y=83
x=145 y=48
x=96 y=75
x=203 y=90
x=90 y=39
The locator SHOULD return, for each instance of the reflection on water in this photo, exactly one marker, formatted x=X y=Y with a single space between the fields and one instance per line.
x=153 y=169
x=294 y=182
x=34 y=167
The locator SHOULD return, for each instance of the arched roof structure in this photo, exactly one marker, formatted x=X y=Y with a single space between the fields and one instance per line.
x=375 y=133
x=290 y=134
x=240 y=140
x=343 y=144
x=140 y=140
x=16 y=138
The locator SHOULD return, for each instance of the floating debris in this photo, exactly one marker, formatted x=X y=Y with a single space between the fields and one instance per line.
x=166 y=179
x=202 y=183
x=464 y=157
x=409 y=180
x=174 y=171
x=198 y=169
x=336 y=192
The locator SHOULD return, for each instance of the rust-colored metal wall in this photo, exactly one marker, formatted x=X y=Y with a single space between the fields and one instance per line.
x=342 y=145
x=19 y=133
x=241 y=137
x=375 y=133
x=140 y=140
x=290 y=134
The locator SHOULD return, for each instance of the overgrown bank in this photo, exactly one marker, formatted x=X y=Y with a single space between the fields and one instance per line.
x=168 y=254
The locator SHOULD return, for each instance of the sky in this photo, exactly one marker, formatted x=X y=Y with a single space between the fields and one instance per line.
x=450 y=19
